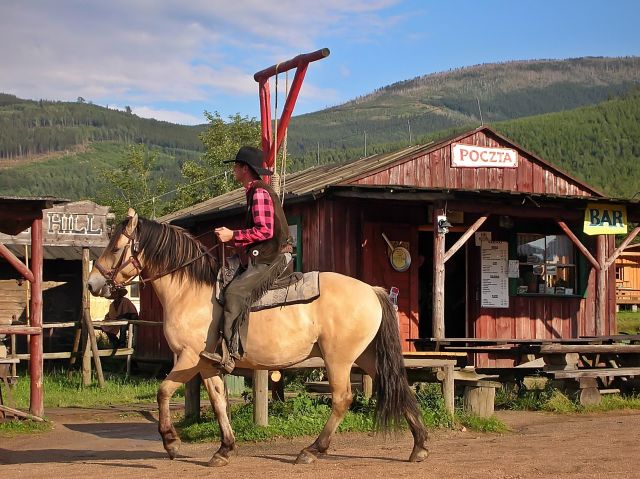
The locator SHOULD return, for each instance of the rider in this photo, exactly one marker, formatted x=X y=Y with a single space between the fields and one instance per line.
x=264 y=238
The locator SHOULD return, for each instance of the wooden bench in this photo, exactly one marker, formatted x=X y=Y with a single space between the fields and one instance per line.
x=479 y=396
x=586 y=380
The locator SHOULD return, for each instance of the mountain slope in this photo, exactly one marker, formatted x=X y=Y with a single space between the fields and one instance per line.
x=449 y=99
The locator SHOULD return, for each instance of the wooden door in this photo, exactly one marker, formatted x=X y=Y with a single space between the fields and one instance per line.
x=377 y=271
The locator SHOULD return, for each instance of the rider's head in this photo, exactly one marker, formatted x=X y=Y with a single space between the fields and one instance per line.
x=248 y=164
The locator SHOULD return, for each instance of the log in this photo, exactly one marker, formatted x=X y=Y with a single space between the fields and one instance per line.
x=17 y=412
x=479 y=400
x=260 y=400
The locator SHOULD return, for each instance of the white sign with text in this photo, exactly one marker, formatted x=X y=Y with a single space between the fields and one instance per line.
x=471 y=156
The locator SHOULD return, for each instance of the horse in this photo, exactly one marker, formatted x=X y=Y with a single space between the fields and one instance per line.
x=350 y=322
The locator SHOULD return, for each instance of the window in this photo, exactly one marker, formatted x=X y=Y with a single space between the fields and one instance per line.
x=547 y=264
x=619 y=273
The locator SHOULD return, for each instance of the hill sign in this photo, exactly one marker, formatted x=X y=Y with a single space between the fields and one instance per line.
x=600 y=219
x=471 y=156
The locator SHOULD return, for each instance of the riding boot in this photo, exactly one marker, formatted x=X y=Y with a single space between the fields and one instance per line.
x=221 y=359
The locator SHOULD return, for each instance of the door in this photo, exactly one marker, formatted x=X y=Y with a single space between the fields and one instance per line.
x=378 y=271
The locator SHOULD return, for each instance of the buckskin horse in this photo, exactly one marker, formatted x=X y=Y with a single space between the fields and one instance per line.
x=350 y=322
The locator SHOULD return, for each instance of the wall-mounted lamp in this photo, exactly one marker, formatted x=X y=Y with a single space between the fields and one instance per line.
x=443 y=224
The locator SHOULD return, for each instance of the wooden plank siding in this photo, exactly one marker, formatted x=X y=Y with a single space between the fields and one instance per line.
x=433 y=170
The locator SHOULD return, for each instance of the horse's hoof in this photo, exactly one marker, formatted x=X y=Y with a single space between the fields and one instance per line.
x=419 y=454
x=305 y=457
x=172 y=449
x=218 y=461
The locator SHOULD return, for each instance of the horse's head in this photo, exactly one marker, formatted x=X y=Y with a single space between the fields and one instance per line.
x=119 y=263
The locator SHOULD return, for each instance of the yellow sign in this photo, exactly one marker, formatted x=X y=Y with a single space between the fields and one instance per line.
x=601 y=219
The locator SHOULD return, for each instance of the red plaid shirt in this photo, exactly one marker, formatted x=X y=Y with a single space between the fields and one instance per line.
x=262 y=212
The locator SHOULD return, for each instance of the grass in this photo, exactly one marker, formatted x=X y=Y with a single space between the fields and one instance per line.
x=553 y=400
x=18 y=427
x=304 y=415
x=628 y=322
x=61 y=391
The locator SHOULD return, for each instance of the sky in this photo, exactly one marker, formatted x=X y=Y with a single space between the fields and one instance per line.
x=172 y=60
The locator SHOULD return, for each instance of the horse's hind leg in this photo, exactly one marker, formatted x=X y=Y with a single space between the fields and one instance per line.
x=184 y=369
x=216 y=389
x=341 y=397
x=367 y=362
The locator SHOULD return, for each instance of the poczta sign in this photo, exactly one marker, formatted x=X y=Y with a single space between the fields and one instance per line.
x=602 y=219
x=471 y=156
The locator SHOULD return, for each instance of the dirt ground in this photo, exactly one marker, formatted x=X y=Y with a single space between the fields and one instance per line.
x=106 y=443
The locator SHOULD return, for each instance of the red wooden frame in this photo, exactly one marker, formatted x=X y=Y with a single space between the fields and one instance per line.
x=300 y=63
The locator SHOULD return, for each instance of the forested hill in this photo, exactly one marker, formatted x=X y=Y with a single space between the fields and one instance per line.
x=30 y=128
x=450 y=99
x=598 y=144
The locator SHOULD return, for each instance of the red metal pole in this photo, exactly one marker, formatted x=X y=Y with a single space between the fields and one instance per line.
x=36 y=359
x=15 y=262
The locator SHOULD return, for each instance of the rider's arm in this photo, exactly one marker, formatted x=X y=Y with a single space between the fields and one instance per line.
x=262 y=212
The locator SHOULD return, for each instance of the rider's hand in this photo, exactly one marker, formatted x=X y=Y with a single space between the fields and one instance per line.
x=224 y=234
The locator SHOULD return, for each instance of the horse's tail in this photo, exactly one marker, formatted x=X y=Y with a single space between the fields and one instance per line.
x=394 y=397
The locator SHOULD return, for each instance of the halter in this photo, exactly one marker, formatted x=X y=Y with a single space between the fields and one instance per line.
x=134 y=245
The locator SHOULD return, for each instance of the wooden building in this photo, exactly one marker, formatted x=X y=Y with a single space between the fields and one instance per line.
x=484 y=238
x=628 y=278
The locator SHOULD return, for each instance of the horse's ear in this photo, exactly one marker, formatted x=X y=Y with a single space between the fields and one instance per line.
x=132 y=222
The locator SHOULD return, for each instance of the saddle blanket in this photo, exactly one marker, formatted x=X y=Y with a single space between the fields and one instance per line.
x=304 y=288
x=302 y=291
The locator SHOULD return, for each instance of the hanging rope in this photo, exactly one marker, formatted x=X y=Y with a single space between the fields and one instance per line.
x=275 y=178
x=283 y=167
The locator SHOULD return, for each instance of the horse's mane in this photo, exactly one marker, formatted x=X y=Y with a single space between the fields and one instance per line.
x=167 y=247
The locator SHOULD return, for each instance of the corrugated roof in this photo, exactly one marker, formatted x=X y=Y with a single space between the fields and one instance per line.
x=69 y=253
x=300 y=183
x=318 y=178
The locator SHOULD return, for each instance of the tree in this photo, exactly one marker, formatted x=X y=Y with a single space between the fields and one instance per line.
x=128 y=109
x=131 y=184
x=80 y=99
x=208 y=177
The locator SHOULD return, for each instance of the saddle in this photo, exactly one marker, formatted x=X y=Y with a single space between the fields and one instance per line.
x=289 y=288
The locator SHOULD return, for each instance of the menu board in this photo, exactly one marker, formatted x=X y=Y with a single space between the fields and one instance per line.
x=494 y=279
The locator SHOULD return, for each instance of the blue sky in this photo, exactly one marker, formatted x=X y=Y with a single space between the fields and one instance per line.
x=172 y=60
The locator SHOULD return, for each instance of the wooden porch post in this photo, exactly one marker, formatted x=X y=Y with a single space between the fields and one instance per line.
x=437 y=319
x=601 y=275
x=35 y=345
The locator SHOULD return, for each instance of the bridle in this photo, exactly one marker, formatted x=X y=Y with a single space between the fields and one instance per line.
x=110 y=275
x=133 y=245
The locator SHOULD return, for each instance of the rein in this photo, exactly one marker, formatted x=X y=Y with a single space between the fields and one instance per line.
x=134 y=245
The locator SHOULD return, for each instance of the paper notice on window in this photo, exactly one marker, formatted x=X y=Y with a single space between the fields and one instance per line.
x=494 y=282
x=514 y=268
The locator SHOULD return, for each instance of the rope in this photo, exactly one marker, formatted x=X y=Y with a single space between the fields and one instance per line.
x=275 y=178
x=283 y=168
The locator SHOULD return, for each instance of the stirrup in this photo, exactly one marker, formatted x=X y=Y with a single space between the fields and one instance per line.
x=224 y=361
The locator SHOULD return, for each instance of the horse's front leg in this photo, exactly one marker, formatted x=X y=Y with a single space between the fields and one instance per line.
x=184 y=369
x=216 y=389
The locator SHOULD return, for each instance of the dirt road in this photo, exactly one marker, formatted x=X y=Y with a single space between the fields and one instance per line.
x=110 y=444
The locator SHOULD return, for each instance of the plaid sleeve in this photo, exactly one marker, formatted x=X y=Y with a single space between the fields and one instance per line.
x=262 y=212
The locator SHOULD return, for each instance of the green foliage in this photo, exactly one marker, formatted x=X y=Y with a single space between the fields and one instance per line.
x=598 y=144
x=34 y=127
x=18 y=427
x=207 y=177
x=131 y=184
x=628 y=322
x=62 y=391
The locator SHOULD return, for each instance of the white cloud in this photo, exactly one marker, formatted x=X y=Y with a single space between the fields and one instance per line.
x=144 y=51
x=167 y=115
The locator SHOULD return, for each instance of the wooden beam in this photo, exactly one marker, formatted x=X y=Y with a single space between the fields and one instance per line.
x=19 y=329
x=7 y=254
x=621 y=248
x=465 y=237
x=260 y=397
x=36 y=395
x=86 y=316
x=601 y=284
x=437 y=319
x=582 y=248
x=590 y=348
x=18 y=413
